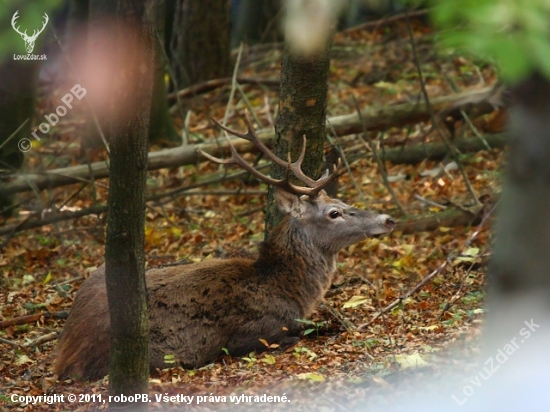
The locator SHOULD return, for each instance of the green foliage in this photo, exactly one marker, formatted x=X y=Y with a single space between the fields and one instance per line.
x=251 y=359
x=315 y=328
x=367 y=343
x=32 y=306
x=169 y=358
x=472 y=298
x=515 y=33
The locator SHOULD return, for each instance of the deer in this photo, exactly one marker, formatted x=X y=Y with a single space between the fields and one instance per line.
x=198 y=311
x=29 y=40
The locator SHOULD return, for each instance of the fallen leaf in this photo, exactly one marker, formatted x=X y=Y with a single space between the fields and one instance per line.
x=411 y=361
x=356 y=301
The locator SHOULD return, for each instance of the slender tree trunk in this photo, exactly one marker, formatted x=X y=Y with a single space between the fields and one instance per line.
x=255 y=21
x=302 y=111
x=200 y=41
x=161 y=129
x=76 y=28
x=124 y=256
x=18 y=80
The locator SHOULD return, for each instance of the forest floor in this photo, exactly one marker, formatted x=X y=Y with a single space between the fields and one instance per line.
x=336 y=366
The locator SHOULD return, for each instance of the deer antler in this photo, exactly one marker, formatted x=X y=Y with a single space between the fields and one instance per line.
x=314 y=186
x=13 y=20
x=35 y=33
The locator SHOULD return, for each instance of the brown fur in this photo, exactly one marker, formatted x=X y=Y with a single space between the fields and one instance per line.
x=196 y=310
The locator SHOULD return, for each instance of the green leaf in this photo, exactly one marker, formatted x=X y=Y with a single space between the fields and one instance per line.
x=469 y=256
x=308 y=331
x=306 y=321
x=313 y=377
x=512 y=56
x=541 y=52
x=48 y=278
x=169 y=358
x=269 y=359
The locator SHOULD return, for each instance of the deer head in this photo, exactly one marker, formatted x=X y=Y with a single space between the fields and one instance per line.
x=29 y=40
x=330 y=223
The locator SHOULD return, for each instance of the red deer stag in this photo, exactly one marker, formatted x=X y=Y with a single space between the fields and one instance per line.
x=196 y=310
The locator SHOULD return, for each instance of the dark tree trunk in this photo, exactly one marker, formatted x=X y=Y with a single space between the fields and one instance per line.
x=302 y=111
x=124 y=256
x=161 y=129
x=519 y=283
x=200 y=41
x=255 y=21
x=521 y=258
x=18 y=81
x=77 y=22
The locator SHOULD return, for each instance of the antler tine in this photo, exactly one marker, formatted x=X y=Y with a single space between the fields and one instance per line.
x=315 y=185
x=14 y=22
x=236 y=159
x=253 y=138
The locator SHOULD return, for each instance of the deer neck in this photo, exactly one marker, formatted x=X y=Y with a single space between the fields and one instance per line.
x=291 y=259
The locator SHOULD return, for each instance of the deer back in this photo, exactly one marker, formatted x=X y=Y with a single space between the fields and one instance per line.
x=196 y=310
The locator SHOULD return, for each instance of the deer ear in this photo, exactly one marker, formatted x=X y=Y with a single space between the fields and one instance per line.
x=288 y=203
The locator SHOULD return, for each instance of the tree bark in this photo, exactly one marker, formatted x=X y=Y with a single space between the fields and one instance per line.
x=76 y=28
x=18 y=82
x=200 y=41
x=302 y=112
x=255 y=21
x=124 y=256
x=161 y=129
x=521 y=257
x=519 y=284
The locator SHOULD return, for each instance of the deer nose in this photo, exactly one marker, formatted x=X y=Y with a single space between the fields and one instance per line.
x=390 y=223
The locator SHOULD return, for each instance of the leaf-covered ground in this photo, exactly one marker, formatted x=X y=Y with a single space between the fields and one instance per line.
x=337 y=363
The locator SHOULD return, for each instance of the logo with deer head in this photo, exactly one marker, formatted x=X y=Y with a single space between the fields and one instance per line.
x=29 y=40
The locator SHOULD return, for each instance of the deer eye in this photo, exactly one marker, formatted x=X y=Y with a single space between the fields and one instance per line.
x=334 y=214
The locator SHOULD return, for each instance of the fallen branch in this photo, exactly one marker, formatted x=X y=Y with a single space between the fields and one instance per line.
x=417 y=153
x=33 y=318
x=216 y=83
x=55 y=217
x=179 y=156
x=405 y=296
x=386 y=21
x=9 y=342
x=401 y=114
x=447 y=218
x=374 y=118
x=48 y=220
x=42 y=339
x=424 y=281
